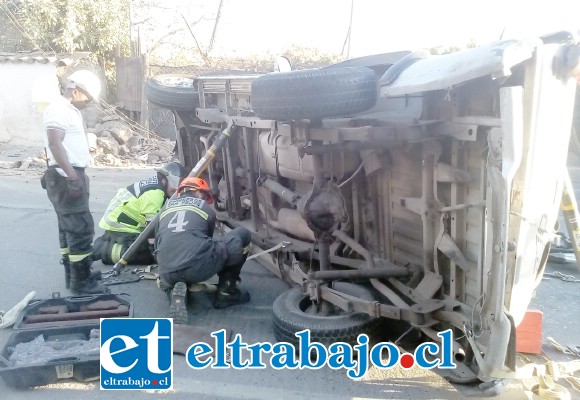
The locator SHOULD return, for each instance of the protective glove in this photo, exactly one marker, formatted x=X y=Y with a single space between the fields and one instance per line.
x=9 y=318
x=75 y=188
x=566 y=58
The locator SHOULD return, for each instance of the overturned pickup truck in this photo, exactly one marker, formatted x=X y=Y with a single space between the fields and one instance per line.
x=399 y=186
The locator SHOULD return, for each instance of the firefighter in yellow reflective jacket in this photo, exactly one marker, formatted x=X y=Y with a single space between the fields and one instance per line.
x=131 y=210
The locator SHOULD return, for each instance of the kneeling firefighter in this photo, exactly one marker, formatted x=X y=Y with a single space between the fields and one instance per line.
x=187 y=253
x=129 y=212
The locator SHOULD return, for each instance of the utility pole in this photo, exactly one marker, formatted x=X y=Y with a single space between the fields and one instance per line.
x=131 y=29
x=350 y=28
x=348 y=32
x=217 y=20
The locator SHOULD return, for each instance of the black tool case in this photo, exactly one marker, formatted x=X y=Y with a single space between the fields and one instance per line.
x=59 y=338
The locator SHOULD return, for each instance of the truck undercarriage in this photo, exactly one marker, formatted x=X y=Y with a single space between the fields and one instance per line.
x=396 y=187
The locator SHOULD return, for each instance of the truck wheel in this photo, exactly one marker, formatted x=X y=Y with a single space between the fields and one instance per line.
x=315 y=93
x=291 y=315
x=174 y=92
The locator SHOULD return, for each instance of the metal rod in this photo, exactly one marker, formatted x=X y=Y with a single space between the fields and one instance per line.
x=283 y=192
x=205 y=128
x=458 y=207
x=428 y=198
x=205 y=140
x=356 y=247
x=360 y=273
x=254 y=203
x=324 y=252
x=121 y=311
x=381 y=287
x=324 y=238
x=351 y=146
x=199 y=168
x=230 y=181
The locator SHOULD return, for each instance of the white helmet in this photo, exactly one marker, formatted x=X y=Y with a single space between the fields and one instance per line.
x=87 y=81
x=175 y=172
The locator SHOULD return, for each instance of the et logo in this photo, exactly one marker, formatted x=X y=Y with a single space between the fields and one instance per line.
x=136 y=353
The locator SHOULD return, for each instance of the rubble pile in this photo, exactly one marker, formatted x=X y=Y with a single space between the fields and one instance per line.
x=114 y=142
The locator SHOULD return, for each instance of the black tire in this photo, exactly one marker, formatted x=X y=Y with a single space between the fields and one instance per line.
x=379 y=63
x=174 y=92
x=314 y=94
x=290 y=316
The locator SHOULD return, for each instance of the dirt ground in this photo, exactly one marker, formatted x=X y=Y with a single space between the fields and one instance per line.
x=12 y=157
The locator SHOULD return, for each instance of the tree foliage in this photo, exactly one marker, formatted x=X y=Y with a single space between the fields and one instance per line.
x=11 y=39
x=99 y=27
x=440 y=50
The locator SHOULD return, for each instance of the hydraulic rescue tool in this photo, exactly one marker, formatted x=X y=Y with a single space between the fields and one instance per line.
x=199 y=168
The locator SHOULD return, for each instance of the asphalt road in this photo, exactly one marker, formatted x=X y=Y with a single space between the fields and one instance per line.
x=30 y=262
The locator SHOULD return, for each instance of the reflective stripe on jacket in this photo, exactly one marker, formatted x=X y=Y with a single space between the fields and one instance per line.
x=183 y=237
x=133 y=205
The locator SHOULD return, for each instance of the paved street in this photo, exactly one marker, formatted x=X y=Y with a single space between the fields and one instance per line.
x=30 y=257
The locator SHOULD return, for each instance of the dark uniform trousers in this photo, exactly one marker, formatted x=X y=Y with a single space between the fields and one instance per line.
x=235 y=246
x=112 y=245
x=231 y=251
x=75 y=222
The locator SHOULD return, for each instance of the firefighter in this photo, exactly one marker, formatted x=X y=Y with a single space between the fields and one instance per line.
x=187 y=253
x=131 y=210
x=66 y=183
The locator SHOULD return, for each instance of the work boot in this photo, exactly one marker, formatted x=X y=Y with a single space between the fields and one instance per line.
x=96 y=275
x=81 y=280
x=165 y=286
x=65 y=261
x=178 y=306
x=228 y=294
x=66 y=264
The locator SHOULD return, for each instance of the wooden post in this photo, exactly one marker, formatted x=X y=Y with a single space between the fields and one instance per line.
x=144 y=121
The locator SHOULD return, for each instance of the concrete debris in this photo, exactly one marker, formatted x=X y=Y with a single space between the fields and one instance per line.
x=113 y=141
x=107 y=145
x=120 y=130
x=26 y=163
x=120 y=144
x=134 y=141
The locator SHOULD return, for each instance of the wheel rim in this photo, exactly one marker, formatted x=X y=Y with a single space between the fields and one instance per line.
x=308 y=307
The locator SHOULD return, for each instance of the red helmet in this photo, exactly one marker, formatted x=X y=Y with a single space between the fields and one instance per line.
x=196 y=184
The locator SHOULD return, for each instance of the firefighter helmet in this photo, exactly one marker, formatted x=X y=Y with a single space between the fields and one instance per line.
x=196 y=184
x=174 y=172
x=87 y=82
